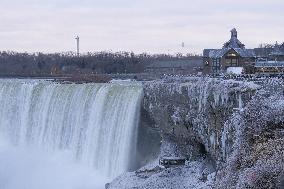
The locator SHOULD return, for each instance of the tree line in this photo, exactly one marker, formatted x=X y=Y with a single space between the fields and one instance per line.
x=41 y=64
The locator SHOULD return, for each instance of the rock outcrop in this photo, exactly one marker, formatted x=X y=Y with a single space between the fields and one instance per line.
x=234 y=128
x=191 y=112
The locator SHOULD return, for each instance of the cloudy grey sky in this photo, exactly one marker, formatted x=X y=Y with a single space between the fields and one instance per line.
x=156 y=26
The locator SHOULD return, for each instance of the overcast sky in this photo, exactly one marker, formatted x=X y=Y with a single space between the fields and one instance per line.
x=155 y=26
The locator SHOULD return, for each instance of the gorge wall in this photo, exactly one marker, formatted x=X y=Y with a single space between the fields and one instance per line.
x=192 y=112
x=227 y=121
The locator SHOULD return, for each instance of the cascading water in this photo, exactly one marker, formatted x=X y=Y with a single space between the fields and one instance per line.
x=96 y=124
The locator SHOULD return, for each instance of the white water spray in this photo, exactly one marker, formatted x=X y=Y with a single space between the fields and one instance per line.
x=95 y=124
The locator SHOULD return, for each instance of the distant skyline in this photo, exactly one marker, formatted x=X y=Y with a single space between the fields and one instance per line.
x=152 y=26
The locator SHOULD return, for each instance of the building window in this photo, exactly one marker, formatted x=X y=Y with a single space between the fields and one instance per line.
x=232 y=54
x=232 y=62
x=216 y=65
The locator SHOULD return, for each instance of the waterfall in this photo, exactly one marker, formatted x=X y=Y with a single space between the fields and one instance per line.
x=95 y=123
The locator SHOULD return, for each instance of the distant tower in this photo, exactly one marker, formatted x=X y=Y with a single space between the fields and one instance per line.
x=234 y=33
x=182 y=44
x=78 y=43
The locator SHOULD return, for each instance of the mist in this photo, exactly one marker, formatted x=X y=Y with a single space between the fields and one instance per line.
x=33 y=168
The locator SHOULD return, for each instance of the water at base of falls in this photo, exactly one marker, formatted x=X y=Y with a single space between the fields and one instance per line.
x=73 y=136
x=22 y=168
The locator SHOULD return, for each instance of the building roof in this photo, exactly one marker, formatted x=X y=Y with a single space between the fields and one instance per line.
x=234 y=41
x=232 y=44
x=238 y=47
x=206 y=52
x=262 y=52
x=217 y=53
x=245 y=53
x=278 y=50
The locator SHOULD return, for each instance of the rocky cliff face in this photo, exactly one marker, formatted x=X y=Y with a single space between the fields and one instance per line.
x=191 y=112
x=257 y=158
x=234 y=128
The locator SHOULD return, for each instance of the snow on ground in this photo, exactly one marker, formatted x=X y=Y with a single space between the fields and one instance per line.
x=235 y=70
x=188 y=176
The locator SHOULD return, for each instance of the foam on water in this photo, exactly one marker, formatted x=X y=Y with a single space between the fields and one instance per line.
x=66 y=135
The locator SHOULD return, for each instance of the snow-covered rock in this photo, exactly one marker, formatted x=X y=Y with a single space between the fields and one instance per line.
x=193 y=110
x=189 y=176
x=235 y=125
